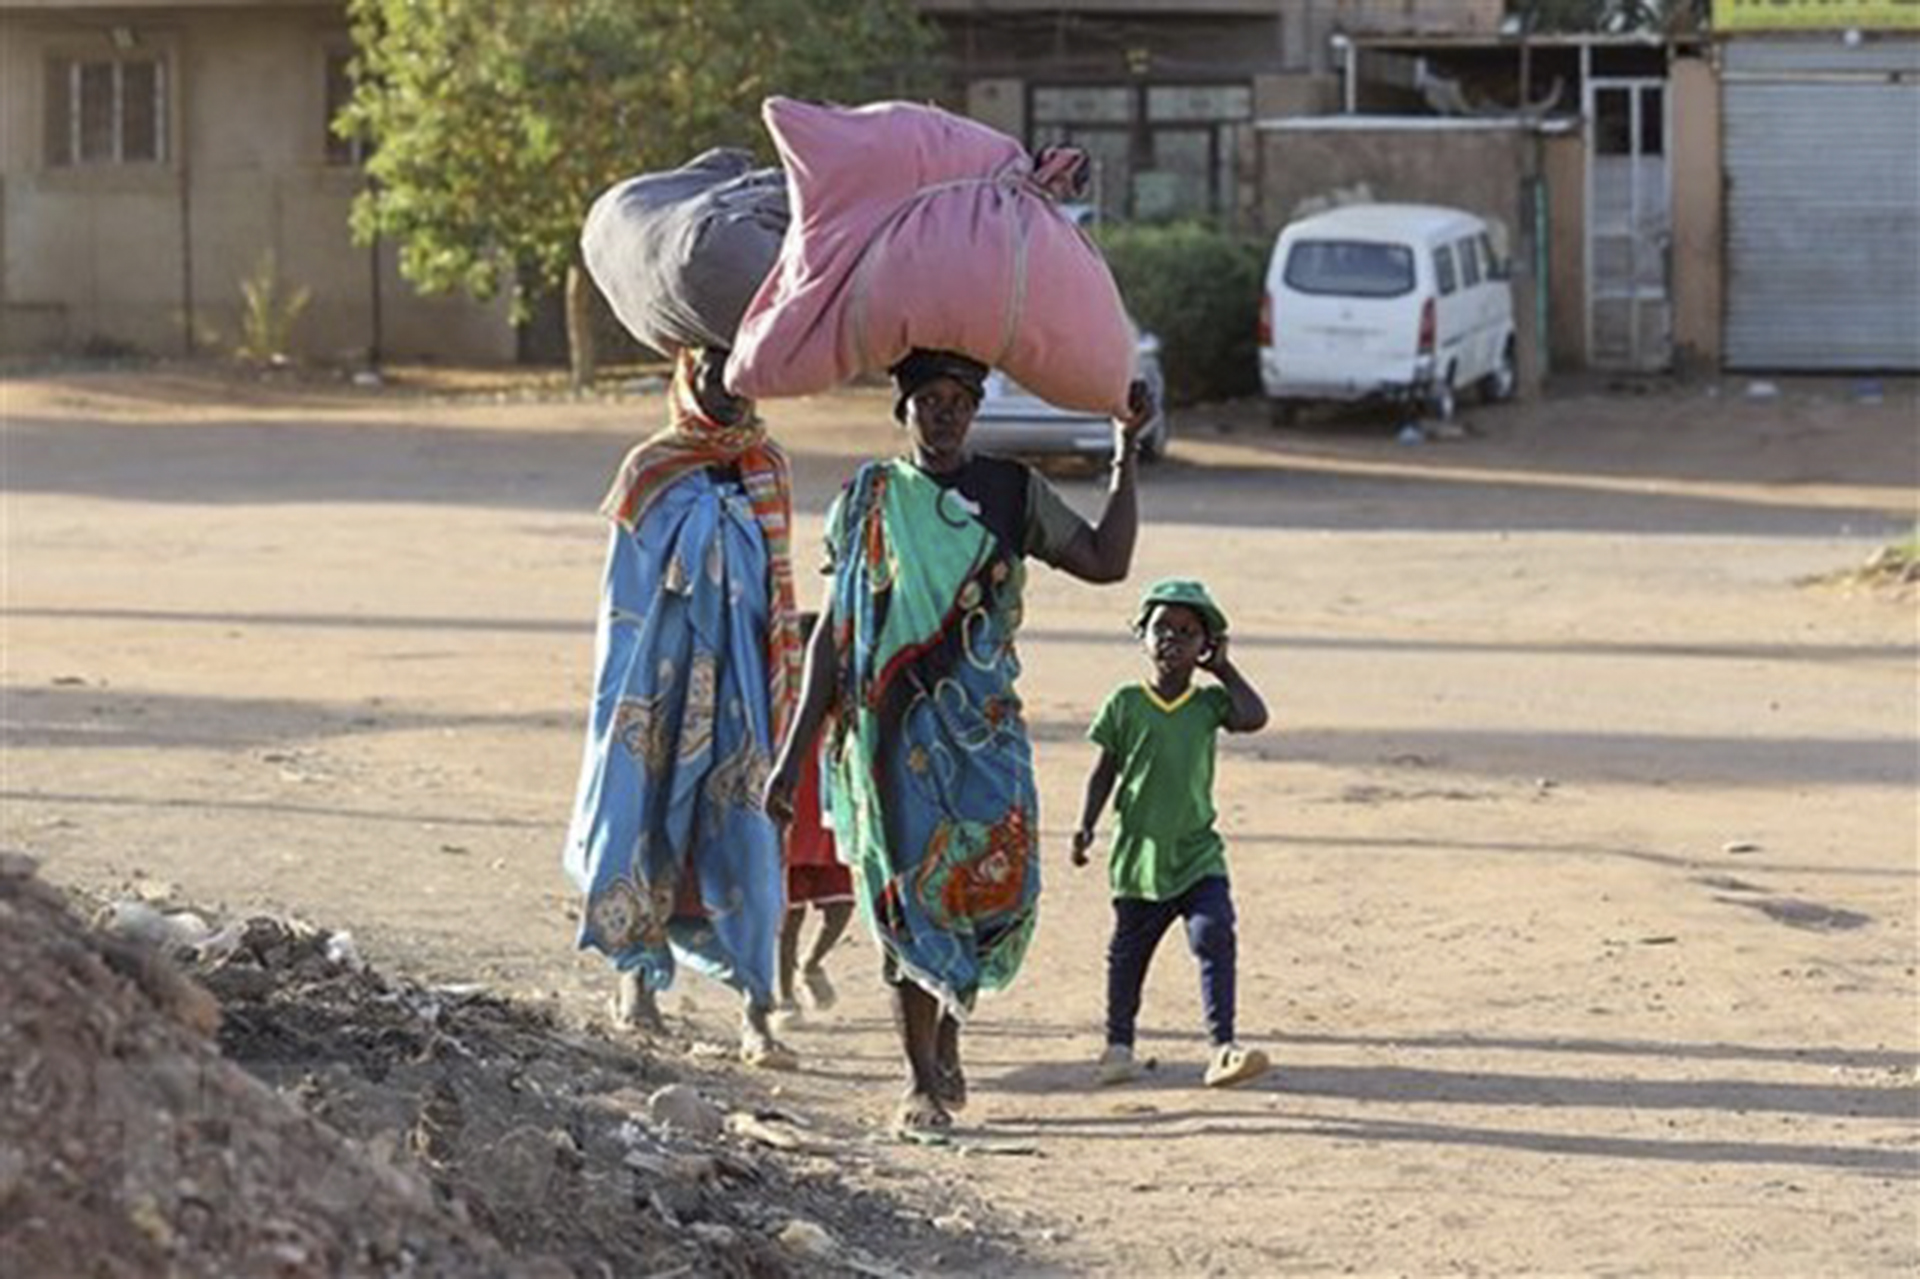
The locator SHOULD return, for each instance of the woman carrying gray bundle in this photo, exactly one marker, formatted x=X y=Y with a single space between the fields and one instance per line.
x=698 y=646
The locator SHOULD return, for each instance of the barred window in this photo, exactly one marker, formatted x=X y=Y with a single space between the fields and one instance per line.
x=106 y=111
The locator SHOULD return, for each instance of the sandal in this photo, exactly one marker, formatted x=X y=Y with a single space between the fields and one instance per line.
x=1233 y=1064
x=633 y=1007
x=920 y=1120
x=764 y=1052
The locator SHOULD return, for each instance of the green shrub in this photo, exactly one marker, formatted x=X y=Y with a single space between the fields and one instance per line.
x=269 y=313
x=1198 y=289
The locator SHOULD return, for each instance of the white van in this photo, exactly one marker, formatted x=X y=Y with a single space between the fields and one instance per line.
x=1396 y=301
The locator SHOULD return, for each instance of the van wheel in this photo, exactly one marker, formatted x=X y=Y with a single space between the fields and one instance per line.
x=1498 y=386
x=1283 y=412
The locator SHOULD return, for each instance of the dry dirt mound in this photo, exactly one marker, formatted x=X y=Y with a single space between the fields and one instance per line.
x=353 y=1122
x=128 y=1147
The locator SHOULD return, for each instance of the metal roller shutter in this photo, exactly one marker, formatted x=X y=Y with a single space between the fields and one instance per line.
x=1822 y=152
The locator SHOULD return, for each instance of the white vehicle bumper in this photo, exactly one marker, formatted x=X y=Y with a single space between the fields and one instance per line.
x=1345 y=380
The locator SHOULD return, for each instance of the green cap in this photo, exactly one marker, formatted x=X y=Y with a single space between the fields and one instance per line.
x=1187 y=591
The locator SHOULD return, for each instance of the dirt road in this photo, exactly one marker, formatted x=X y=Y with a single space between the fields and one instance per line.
x=1576 y=875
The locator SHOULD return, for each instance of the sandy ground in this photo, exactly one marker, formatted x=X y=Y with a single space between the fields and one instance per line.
x=1576 y=875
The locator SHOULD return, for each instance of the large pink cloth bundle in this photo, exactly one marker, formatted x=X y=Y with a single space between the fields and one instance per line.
x=911 y=228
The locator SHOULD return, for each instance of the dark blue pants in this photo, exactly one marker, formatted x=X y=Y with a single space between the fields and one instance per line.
x=1138 y=927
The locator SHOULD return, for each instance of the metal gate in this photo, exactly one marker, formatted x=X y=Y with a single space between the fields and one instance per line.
x=1823 y=204
x=1629 y=224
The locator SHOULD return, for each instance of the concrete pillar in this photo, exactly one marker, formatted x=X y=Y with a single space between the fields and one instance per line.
x=1698 y=217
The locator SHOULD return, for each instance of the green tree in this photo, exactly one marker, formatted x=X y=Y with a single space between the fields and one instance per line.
x=494 y=123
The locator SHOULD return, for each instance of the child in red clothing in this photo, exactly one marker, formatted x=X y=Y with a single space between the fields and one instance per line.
x=814 y=877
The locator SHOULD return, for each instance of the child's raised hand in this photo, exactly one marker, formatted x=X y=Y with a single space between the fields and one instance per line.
x=1082 y=841
x=1214 y=660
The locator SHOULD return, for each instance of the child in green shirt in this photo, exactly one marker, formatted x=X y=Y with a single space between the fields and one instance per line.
x=1167 y=862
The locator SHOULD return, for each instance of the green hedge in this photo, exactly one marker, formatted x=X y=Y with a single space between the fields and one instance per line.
x=1198 y=289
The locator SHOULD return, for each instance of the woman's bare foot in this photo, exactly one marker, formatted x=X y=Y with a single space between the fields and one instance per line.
x=632 y=1006
x=759 y=1048
x=920 y=1117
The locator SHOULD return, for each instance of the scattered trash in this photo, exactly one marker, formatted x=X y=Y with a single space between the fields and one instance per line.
x=369 y=378
x=1659 y=941
x=768 y=1132
x=648 y=384
x=1411 y=433
x=449 y=1095
x=1869 y=391
x=133 y=921
x=342 y=951
x=1739 y=846
x=1763 y=390
x=140 y=922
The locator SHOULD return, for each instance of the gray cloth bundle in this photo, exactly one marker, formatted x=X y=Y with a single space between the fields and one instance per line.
x=679 y=254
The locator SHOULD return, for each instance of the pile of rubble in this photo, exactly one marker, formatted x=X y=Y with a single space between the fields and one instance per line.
x=255 y=1099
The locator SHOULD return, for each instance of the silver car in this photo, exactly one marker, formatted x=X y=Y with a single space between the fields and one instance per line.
x=1014 y=421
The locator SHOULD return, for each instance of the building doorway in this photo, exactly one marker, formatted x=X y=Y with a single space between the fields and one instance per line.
x=1629 y=219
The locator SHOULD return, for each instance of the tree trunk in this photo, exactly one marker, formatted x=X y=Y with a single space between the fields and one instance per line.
x=582 y=361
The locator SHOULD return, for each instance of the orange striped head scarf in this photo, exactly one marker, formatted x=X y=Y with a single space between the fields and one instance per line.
x=692 y=439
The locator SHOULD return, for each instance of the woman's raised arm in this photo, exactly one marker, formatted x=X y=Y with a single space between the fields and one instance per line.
x=1104 y=551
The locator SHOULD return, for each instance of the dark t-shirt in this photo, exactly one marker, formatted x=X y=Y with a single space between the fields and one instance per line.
x=1025 y=514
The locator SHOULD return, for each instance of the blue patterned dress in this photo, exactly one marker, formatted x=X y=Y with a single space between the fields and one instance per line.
x=677 y=860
